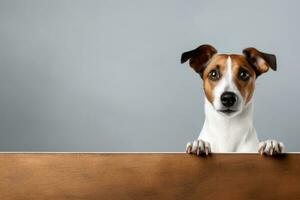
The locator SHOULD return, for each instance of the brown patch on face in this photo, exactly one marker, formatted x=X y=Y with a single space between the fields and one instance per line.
x=218 y=62
x=246 y=87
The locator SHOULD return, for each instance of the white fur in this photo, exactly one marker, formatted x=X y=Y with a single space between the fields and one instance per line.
x=229 y=134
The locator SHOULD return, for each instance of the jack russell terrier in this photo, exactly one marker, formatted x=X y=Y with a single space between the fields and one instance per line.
x=229 y=82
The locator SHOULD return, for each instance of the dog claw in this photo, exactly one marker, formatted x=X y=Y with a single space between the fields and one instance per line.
x=198 y=147
x=270 y=147
x=271 y=151
x=206 y=150
x=188 y=147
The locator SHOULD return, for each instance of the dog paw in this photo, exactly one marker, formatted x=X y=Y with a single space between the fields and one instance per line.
x=270 y=147
x=198 y=147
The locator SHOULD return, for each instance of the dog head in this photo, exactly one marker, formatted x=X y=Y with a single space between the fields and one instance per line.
x=229 y=79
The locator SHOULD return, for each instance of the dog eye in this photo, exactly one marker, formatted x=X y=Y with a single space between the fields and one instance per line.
x=244 y=75
x=214 y=75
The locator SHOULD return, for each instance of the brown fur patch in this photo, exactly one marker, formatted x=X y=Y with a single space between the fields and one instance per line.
x=217 y=62
x=246 y=88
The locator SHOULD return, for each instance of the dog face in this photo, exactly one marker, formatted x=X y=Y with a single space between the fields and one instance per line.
x=229 y=80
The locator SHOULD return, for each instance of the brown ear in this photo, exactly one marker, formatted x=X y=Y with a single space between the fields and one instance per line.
x=199 y=57
x=260 y=61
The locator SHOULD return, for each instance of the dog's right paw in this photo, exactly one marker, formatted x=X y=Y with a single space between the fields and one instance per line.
x=270 y=147
x=198 y=147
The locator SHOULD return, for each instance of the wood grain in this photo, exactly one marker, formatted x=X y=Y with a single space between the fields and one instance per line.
x=148 y=176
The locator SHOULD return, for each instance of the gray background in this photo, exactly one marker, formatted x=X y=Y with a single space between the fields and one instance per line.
x=105 y=75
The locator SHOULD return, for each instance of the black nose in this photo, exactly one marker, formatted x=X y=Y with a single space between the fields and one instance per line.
x=228 y=99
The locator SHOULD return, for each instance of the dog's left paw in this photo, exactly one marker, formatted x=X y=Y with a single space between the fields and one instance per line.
x=270 y=147
x=198 y=147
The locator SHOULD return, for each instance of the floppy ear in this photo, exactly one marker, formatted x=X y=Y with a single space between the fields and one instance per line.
x=199 y=57
x=259 y=60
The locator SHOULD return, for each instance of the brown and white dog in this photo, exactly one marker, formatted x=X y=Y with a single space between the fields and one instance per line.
x=229 y=82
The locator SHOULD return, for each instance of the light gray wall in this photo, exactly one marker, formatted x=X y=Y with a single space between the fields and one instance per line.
x=105 y=75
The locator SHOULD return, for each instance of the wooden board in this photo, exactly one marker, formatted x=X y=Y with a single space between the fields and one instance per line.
x=148 y=176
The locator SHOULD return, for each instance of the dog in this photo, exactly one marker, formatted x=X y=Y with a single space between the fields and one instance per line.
x=229 y=83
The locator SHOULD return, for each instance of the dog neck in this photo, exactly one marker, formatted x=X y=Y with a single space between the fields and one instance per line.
x=230 y=132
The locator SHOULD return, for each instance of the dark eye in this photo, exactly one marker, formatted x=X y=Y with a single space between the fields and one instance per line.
x=244 y=75
x=214 y=75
